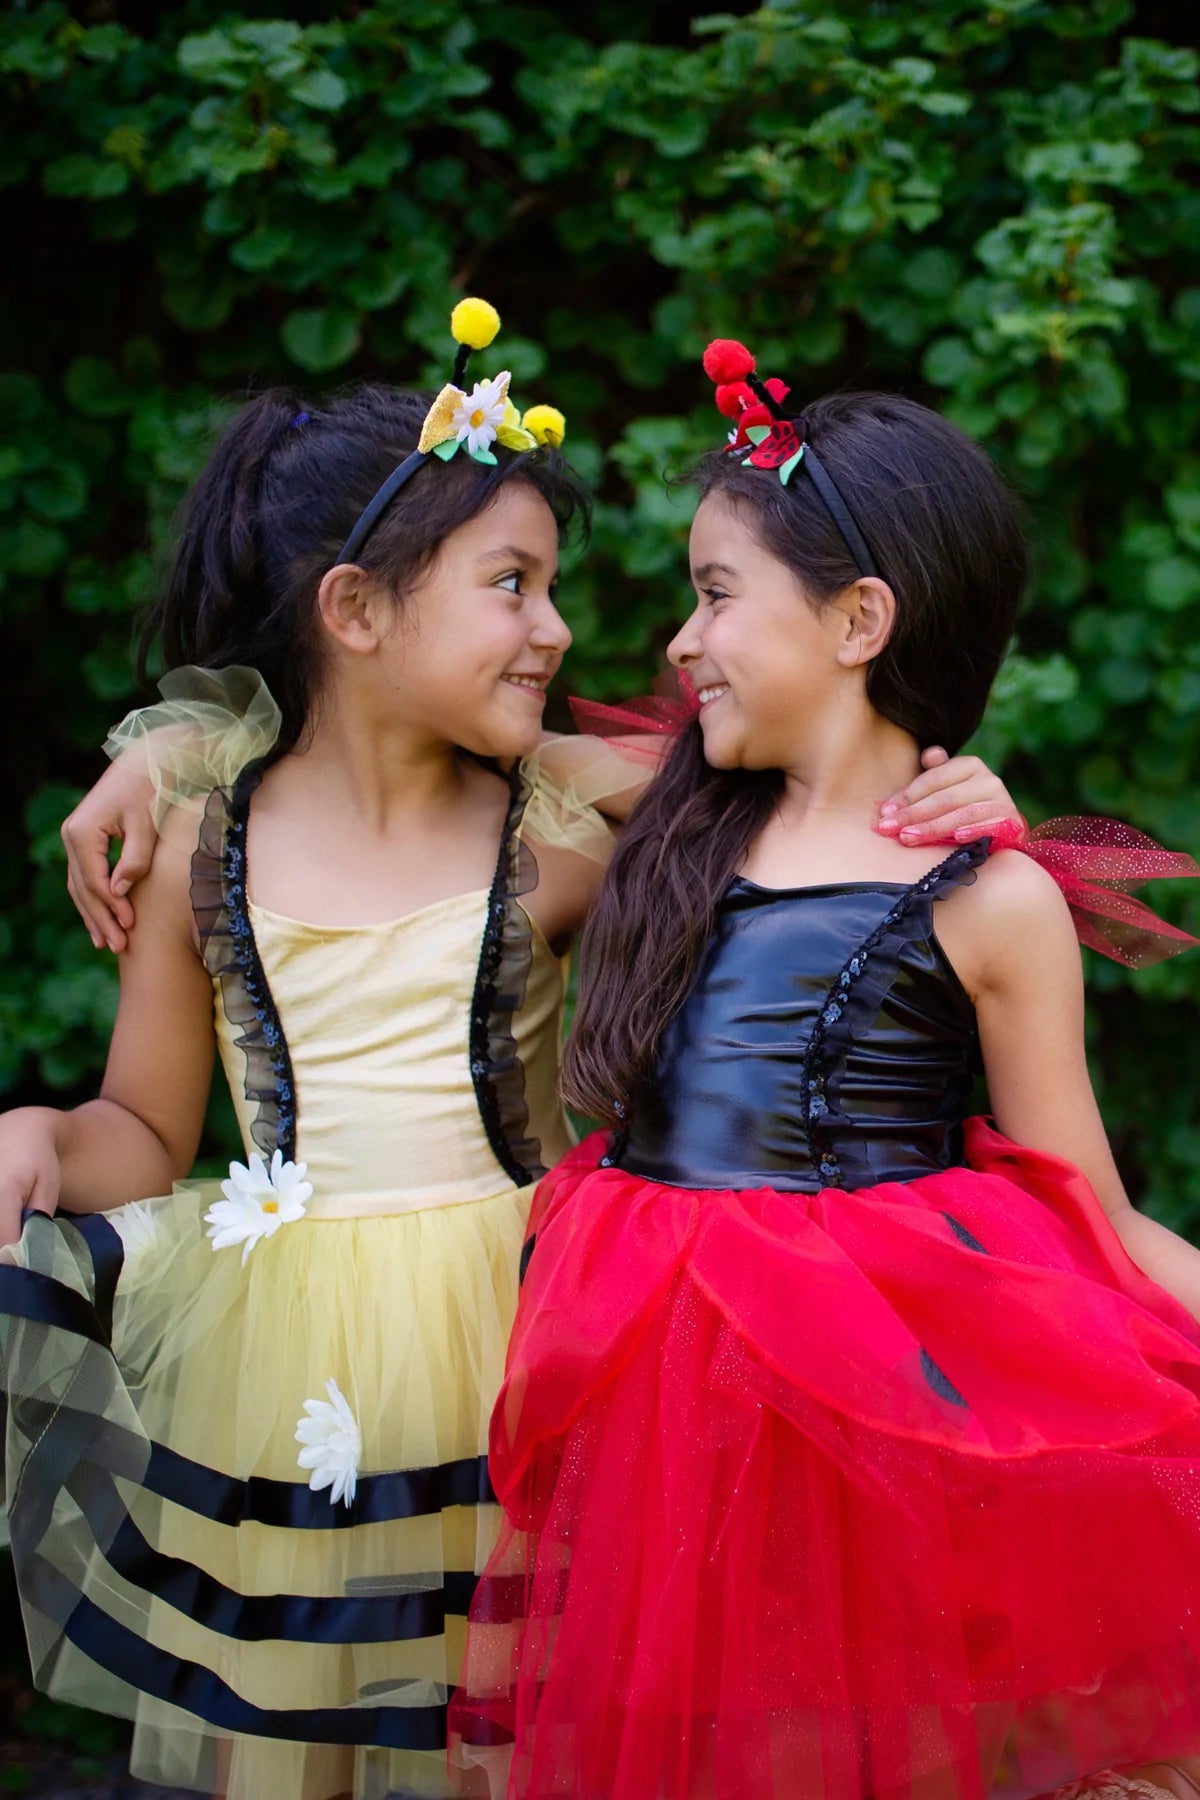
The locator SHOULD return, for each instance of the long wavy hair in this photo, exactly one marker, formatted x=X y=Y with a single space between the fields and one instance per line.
x=945 y=532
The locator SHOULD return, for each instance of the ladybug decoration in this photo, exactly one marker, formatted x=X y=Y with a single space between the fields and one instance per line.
x=779 y=446
x=756 y=406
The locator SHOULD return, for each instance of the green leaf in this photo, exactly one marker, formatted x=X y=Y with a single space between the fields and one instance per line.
x=447 y=450
x=94 y=387
x=1173 y=583
x=321 y=337
x=59 y=492
x=321 y=89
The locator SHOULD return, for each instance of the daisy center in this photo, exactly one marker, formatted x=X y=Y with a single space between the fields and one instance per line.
x=478 y=417
x=270 y=1206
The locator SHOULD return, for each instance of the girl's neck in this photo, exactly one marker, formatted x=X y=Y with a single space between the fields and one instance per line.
x=858 y=762
x=822 y=828
x=377 y=771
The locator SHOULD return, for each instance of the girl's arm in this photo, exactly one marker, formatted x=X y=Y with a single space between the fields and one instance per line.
x=1013 y=942
x=956 y=798
x=143 y=1131
x=118 y=806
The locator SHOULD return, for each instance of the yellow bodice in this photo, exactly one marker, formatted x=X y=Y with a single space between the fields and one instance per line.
x=410 y=1064
x=377 y=1021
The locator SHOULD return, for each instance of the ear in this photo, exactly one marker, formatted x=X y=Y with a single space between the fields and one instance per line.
x=869 y=611
x=348 y=603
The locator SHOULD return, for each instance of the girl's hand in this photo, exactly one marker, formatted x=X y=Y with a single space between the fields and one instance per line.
x=956 y=800
x=29 y=1166
x=117 y=807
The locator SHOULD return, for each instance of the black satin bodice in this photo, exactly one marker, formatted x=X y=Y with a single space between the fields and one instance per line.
x=827 y=1042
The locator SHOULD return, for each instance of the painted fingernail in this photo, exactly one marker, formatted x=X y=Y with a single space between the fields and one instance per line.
x=888 y=827
x=889 y=809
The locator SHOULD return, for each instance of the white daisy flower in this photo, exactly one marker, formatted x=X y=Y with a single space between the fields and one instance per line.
x=135 y=1225
x=481 y=414
x=257 y=1202
x=333 y=1445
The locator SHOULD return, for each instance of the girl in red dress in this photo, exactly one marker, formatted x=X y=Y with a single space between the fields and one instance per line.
x=849 y=1447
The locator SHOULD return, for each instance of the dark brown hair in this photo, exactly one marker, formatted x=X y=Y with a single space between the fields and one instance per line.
x=945 y=533
x=276 y=501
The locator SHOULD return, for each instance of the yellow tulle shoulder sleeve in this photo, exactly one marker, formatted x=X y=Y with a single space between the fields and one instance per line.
x=569 y=777
x=209 y=724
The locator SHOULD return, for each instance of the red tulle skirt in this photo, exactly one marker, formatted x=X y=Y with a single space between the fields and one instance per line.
x=886 y=1495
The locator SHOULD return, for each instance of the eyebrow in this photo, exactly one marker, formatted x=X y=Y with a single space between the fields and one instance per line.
x=509 y=553
x=708 y=569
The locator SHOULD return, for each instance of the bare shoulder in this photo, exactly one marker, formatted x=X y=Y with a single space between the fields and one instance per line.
x=1011 y=888
x=1012 y=918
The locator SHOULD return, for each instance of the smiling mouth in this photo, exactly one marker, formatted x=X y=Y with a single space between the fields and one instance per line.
x=537 y=684
x=706 y=695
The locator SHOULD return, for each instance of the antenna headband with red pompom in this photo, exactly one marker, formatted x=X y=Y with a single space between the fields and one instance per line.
x=769 y=438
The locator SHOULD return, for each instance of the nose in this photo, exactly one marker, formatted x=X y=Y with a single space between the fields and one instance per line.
x=550 y=630
x=686 y=646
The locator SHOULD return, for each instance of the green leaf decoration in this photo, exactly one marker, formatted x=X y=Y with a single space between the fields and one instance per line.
x=482 y=456
x=757 y=433
x=449 y=448
x=788 y=469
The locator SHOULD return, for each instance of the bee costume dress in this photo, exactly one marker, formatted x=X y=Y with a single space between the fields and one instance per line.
x=284 y=1619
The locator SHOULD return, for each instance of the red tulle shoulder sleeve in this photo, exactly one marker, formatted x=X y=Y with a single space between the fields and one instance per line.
x=646 y=726
x=1098 y=863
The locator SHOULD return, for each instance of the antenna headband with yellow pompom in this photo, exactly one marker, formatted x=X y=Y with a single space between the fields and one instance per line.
x=460 y=421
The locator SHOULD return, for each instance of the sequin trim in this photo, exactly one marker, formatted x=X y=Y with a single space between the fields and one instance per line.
x=231 y=957
x=819 y=1114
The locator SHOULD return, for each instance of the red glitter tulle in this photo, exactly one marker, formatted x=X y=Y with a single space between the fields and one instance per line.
x=1097 y=863
x=879 y=1495
x=645 y=725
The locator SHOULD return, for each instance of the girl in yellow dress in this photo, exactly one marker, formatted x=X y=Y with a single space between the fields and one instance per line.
x=247 y=1421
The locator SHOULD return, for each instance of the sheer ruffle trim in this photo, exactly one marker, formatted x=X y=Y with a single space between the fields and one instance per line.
x=209 y=724
x=505 y=955
x=231 y=958
x=567 y=779
x=856 y=996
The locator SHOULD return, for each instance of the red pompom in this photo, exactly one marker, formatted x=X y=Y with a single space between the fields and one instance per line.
x=733 y=399
x=726 y=360
x=778 y=390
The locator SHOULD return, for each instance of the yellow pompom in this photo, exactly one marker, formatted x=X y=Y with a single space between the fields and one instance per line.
x=474 y=323
x=546 y=424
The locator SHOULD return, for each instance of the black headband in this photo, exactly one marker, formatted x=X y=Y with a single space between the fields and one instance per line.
x=827 y=488
x=838 y=510
x=369 y=517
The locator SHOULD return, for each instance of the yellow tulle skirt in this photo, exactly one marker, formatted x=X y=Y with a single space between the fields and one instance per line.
x=175 y=1565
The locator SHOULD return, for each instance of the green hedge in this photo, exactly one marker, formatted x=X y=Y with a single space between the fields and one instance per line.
x=990 y=205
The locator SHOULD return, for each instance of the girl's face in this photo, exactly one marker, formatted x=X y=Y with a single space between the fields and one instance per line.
x=479 y=639
x=765 y=661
